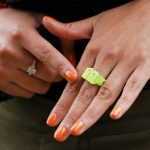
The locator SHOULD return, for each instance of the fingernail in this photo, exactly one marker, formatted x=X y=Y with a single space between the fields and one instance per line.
x=52 y=119
x=115 y=113
x=60 y=134
x=50 y=19
x=77 y=127
x=70 y=76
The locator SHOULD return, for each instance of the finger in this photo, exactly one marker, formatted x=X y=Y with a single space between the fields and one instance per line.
x=29 y=83
x=85 y=95
x=46 y=74
x=104 y=98
x=42 y=71
x=15 y=90
x=71 y=90
x=73 y=31
x=23 y=59
x=48 y=55
x=131 y=91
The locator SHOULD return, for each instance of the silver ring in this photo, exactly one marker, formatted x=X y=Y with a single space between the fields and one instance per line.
x=32 y=69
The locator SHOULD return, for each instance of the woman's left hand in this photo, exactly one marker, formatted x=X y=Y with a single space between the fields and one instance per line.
x=119 y=49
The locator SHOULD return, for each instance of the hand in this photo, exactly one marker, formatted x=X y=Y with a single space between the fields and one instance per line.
x=20 y=44
x=119 y=50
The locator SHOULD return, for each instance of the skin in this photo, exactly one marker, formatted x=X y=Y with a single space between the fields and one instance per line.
x=20 y=44
x=119 y=50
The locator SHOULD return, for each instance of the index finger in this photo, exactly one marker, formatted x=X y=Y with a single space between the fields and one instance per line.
x=49 y=55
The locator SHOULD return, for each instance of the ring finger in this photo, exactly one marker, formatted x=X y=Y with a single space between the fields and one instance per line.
x=43 y=73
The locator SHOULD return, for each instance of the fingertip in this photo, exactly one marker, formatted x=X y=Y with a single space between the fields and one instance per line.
x=52 y=120
x=45 y=21
x=61 y=134
x=71 y=76
x=76 y=128
x=116 y=113
x=49 y=19
x=49 y=23
x=112 y=116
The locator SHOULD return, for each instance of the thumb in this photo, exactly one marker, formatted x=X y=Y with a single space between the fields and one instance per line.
x=73 y=31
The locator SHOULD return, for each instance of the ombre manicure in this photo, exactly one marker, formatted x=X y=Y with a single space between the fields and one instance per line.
x=115 y=113
x=52 y=119
x=60 y=134
x=77 y=127
x=70 y=76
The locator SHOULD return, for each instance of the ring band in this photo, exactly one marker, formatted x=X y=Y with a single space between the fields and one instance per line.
x=32 y=69
x=93 y=77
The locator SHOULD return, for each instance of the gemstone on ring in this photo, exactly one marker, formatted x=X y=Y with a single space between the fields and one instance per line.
x=32 y=69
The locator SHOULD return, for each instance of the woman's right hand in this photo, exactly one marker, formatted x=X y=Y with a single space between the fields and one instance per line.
x=20 y=44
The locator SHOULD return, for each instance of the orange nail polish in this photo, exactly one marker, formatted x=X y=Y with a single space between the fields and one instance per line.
x=60 y=133
x=70 y=76
x=77 y=127
x=115 y=113
x=50 y=19
x=52 y=119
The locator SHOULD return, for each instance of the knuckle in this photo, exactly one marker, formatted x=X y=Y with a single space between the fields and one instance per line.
x=60 y=108
x=73 y=87
x=92 y=48
x=125 y=98
x=104 y=93
x=5 y=50
x=109 y=53
x=16 y=31
x=61 y=67
x=133 y=84
x=70 y=118
x=143 y=56
x=92 y=114
x=85 y=93
x=3 y=47
x=45 y=54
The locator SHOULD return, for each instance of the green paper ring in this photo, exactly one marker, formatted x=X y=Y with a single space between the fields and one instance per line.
x=93 y=77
